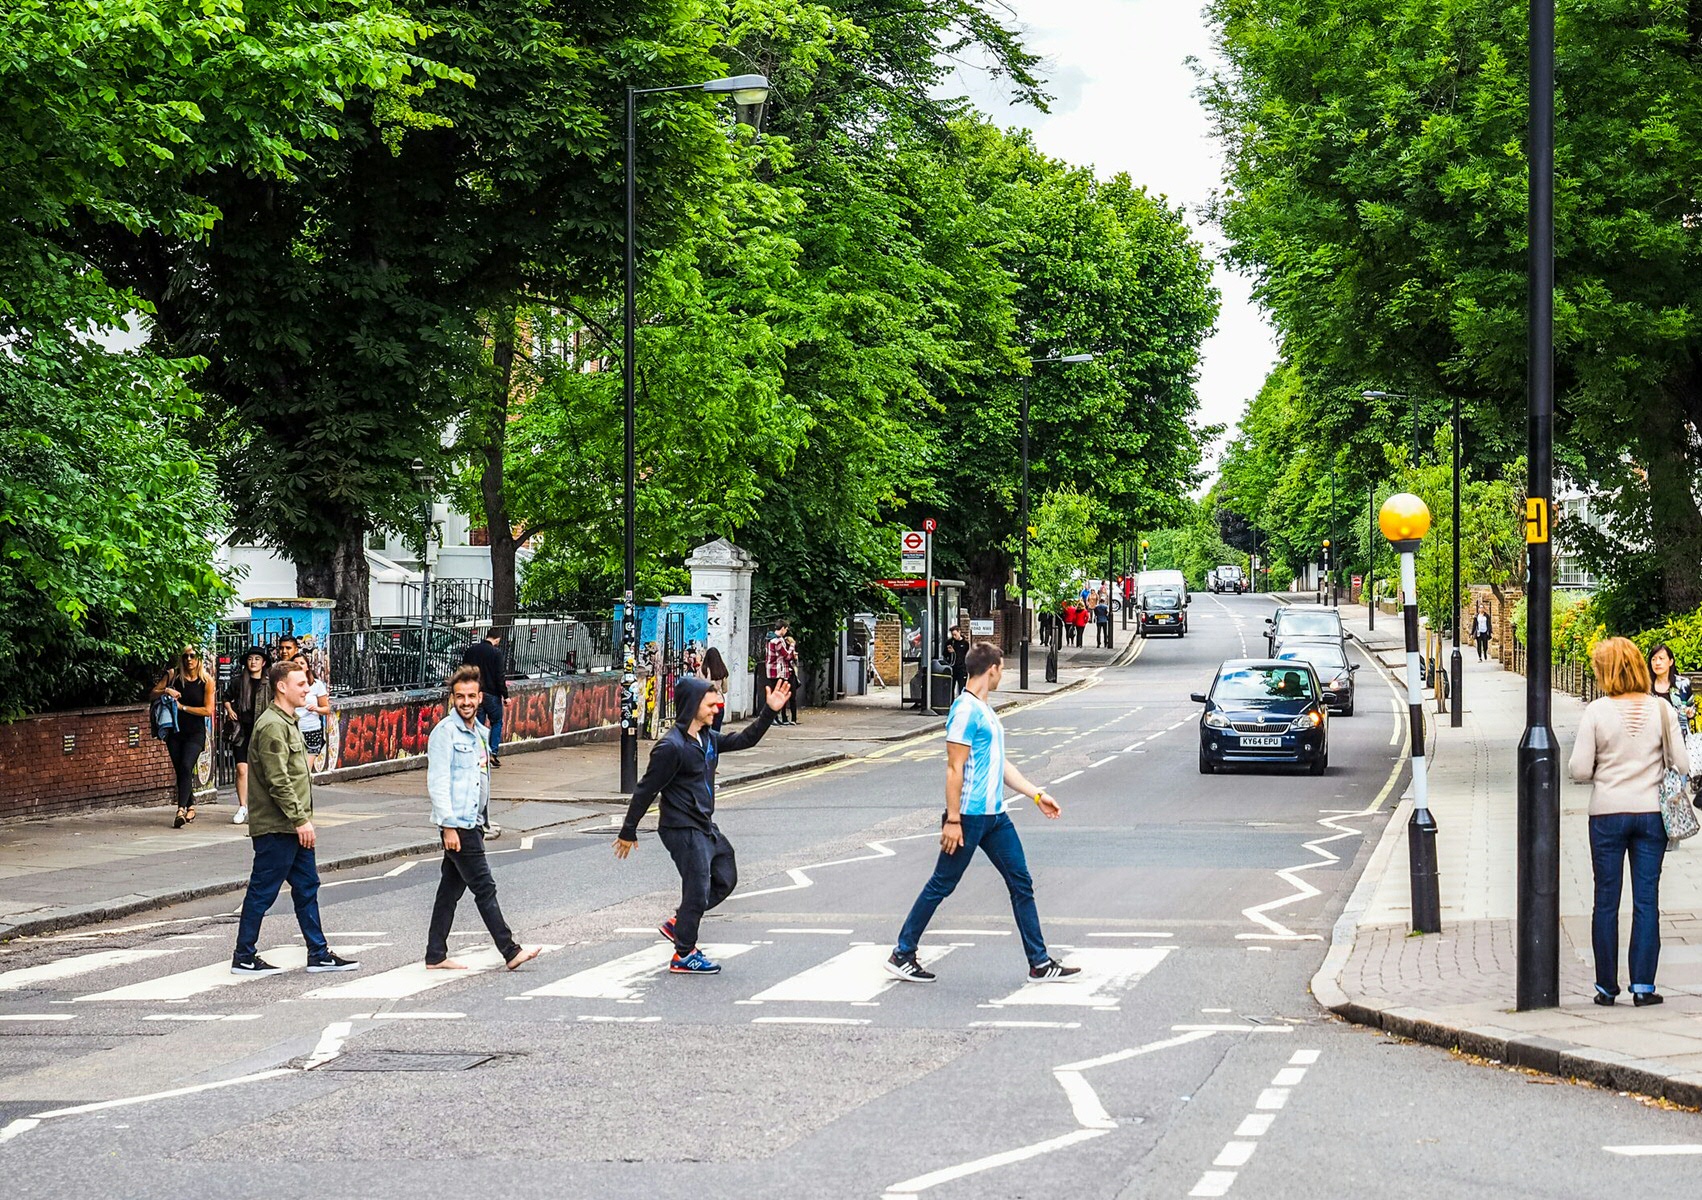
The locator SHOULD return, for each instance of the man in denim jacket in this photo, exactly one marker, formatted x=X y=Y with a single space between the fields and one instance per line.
x=458 y=761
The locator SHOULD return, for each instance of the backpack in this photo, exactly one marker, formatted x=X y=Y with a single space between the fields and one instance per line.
x=162 y=717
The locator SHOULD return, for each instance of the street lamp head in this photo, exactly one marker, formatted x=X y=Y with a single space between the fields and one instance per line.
x=1371 y=395
x=745 y=89
x=1144 y=543
x=1326 y=543
x=1076 y=358
x=1403 y=518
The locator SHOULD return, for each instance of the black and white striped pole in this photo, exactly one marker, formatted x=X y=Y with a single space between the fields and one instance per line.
x=1404 y=520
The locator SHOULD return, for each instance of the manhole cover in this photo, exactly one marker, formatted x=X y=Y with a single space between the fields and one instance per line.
x=397 y=1060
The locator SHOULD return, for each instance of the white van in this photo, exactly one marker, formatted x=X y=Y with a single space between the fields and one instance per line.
x=1163 y=579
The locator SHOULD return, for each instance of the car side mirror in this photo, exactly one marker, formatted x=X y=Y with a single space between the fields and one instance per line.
x=1270 y=620
x=1197 y=697
x=1353 y=666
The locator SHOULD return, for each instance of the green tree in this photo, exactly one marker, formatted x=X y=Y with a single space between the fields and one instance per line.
x=1063 y=547
x=1376 y=191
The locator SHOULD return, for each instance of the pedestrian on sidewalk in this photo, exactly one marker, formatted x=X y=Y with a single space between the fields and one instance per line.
x=1047 y=620
x=458 y=780
x=1102 y=622
x=774 y=658
x=977 y=776
x=311 y=717
x=191 y=685
x=682 y=774
x=280 y=822
x=486 y=654
x=1626 y=741
x=1480 y=634
x=246 y=697
x=715 y=670
x=1079 y=623
x=957 y=650
x=1675 y=689
x=794 y=680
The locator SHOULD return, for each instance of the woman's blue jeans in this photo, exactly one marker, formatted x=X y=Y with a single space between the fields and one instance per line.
x=1613 y=838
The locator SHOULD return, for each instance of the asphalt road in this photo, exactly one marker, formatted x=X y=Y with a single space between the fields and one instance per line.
x=1189 y=1061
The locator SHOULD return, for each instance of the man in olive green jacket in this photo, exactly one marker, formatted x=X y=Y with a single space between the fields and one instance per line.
x=280 y=821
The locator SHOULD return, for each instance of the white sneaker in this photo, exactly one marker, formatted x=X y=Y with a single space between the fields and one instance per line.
x=241 y=817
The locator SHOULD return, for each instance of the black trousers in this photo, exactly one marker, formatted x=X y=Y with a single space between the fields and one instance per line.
x=708 y=876
x=1482 y=646
x=185 y=751
x=467 y=870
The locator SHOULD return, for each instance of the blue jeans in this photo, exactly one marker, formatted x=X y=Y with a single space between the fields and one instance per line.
x=490 y=712
x=995 y=837
x=1643 y=837
x=279 y=857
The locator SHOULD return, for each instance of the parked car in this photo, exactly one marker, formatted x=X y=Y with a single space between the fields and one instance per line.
x=1328 y=660
x=1163 y=610
x=1263 y=711
x=1304 y=622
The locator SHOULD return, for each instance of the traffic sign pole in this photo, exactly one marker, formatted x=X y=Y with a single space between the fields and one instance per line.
x=928 y=625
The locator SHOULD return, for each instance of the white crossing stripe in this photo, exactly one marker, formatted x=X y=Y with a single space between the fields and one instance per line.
x=1214 y=1183
x=1644 y=1151
x=628 y=977
x=185 y=984
x=1106 y=973
x=852 y=977
x=80 y=964
x=414 y=978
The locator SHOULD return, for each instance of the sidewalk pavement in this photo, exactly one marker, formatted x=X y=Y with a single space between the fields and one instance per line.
x=1456 y=988
x=60 y=872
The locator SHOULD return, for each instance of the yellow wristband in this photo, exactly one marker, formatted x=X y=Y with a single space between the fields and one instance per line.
x=1037 y=795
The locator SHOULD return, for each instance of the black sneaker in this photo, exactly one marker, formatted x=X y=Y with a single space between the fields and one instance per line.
x=331 y=962
x=253 y=965
x=496 y=760
x=905 y=967
x=1051 y=970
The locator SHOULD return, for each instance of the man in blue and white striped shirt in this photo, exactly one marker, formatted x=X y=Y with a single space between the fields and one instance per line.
x=976 y=778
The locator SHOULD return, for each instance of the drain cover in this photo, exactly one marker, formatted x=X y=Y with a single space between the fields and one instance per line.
x=396 y=1060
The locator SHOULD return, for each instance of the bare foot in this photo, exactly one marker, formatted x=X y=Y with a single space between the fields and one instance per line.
x=448 y=964
x=526 y=955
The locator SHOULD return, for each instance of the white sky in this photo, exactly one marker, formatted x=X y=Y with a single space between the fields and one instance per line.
x=1125 y=102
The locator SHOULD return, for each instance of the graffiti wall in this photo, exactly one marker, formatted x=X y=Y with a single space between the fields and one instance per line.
x=374 y=729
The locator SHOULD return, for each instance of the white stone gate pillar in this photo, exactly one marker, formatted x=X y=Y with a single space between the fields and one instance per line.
x=721 y=574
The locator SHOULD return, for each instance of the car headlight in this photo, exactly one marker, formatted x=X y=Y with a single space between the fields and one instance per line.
x=1340 y=681
x=1216 y=720
x=1306 y=721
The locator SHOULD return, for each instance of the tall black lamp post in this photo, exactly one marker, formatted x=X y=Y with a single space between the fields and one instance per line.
x=1022 y=660
x=749 y=93
x=1538 y=969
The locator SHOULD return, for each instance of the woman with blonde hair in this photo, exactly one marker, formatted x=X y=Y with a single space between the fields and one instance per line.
x=1626 y=741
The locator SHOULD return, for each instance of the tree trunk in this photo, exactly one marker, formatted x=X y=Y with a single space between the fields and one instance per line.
x=987 y=570
x=504 y=549
x=342 y=575
x=1675 y=522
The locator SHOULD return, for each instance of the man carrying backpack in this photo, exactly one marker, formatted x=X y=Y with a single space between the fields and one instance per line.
x=682 y=774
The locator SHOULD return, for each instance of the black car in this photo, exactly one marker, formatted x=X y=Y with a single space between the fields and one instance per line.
x=1163 y=610
x=1294 y=621
x=1328 y=660
x=1264 y=710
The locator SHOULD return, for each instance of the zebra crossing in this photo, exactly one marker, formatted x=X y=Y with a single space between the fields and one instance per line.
x=783 y=973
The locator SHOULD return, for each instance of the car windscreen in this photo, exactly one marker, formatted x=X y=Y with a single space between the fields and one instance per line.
x=1161 y=600
x=1309 y=622
x=1264 y=683
x=1327 y=658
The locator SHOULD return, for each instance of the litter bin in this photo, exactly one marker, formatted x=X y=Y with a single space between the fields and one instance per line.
x=942 y=691
x=856 y=675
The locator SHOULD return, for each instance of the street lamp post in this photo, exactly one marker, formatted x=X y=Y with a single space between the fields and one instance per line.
x=749 y=92
x=425 y=566
x=1538 y=978
x=1371 y=557
x=1022 y=658
x=1404 y=520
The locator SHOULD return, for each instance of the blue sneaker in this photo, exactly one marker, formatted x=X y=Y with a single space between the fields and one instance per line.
x=694 y=964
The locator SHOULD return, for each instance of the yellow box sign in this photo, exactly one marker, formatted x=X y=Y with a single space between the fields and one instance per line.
x=1536 y=520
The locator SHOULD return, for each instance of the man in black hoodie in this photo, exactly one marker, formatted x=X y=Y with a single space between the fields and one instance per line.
x=682 y=773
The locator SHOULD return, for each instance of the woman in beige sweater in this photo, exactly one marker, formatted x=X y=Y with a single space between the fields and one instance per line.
x=1626 y=741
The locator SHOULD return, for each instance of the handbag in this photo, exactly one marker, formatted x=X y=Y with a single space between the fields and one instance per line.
x=162 y=717
x=1678 y=815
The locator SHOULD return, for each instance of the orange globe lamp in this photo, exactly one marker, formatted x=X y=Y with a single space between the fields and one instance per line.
x=1404 y=518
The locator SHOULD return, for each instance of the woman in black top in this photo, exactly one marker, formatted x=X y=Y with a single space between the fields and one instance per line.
x=714 y=669
x=191 y=685
x=1675 y=689
x=245 y=699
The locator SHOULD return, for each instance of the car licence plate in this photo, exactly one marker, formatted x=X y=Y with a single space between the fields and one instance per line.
x=1260 y=742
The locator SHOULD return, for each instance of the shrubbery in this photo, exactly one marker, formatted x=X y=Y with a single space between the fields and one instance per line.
x=1579 y=625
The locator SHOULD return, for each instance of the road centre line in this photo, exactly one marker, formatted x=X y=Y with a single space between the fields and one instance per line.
x=1102 y=762
x=838 y=932
x=38 y=1017
x=1064 y=778
x=809 y=1021
x=77 y=1110
x=1651 y=1151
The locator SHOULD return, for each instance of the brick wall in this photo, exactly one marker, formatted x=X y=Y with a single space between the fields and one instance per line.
x=888 y=645
x=1500 y=616
x=73 y=761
